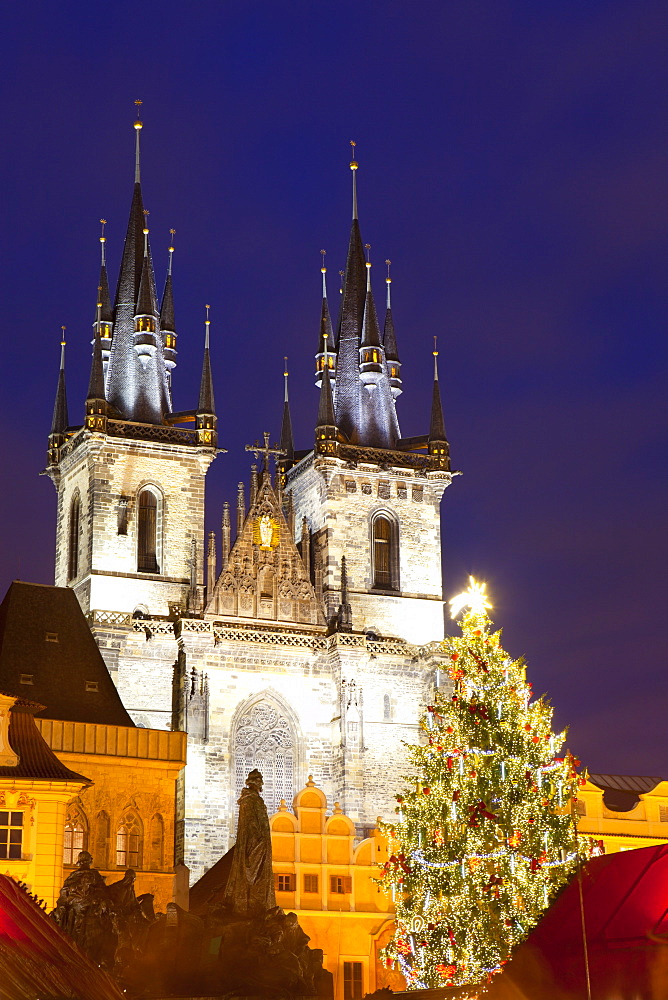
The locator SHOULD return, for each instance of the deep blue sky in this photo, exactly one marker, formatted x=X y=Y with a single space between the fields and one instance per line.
x=513 y=165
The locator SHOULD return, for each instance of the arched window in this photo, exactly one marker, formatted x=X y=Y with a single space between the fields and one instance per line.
x=267 y=583
x=128 y=841
x=100 y=850
x=76 y=834
x=264 y=739
x=149 y=527
x=157 y=843
x=385 y=553
x=73 y=538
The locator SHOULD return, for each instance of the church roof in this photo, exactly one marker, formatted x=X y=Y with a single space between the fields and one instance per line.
x=36 y=760
x=46 y=642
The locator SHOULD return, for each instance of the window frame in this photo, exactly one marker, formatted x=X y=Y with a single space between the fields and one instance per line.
x=353 y=980
x=391 y=585
x=12 y=843
x=73 y=537
x=130 y=826
x=143 y=558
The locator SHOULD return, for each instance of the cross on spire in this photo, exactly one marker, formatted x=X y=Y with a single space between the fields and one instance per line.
x=266 y=450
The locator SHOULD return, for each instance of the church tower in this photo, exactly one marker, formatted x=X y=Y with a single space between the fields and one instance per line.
x=130 y=480
x=371 y=498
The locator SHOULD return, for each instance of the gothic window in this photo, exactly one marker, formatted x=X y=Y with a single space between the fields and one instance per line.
x=157 y=843
x=266 y=583
x=264 y=740
x=73 y=538
x=149 y=525
x=100 y=850
x=128 y=841
x=76 y=834
x=385 y=553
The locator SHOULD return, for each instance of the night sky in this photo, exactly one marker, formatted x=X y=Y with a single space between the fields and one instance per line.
x=514 y=167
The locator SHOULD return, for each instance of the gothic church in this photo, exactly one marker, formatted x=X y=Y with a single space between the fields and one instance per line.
x=304 y=641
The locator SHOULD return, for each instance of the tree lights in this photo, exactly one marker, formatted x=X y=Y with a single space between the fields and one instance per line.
x=484 y=835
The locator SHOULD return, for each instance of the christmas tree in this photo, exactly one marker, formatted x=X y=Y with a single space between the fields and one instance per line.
x=484 y=836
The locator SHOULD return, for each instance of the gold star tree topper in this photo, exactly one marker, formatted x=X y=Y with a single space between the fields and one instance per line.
x=474 y=598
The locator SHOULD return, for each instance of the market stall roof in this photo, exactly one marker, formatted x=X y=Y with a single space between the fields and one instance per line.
x=625 y=903
x=37 y=959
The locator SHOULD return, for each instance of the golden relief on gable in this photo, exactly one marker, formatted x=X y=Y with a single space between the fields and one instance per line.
x=266 y=532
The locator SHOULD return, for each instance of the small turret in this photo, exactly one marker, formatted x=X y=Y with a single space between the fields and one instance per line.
x=438 y=443
x=326 y=334
x=167 y=323
x=104 y=314
x=326 y=432
x=286 y=443
x=206 y=409
x=96 y=403
x=60 y=421
x=371 y=351
x=390 y=342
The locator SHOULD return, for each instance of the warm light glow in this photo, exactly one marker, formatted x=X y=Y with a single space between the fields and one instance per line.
x=474 y=598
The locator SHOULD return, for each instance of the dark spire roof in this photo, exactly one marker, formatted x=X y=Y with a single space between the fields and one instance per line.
x=286 y=443
x=106 y=312
x=147 y=304
x=62 y=667
x=370 y=330
x=60 y=421
x=352 y=317
x=206 y=401
x=437 y=425
x=167 y=307
x=96 y=381
x=325 y=319
x=389 y=337
x=326 y=417
x=129 y=277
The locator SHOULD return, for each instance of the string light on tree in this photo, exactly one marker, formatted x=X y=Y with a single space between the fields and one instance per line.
x=484 y=835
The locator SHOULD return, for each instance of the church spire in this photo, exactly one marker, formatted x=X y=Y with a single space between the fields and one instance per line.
x=206 y=401
x=390 y=341
x=104 y=314
x=137 y=376
x=167 y=324
x=60 y=421
x=352 y=314
x=326 y=333
x=379 y=427
x=326 y=433
x=286 y=442
x=438 y=443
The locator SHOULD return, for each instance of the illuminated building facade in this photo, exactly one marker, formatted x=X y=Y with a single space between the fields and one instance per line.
x=308 y=641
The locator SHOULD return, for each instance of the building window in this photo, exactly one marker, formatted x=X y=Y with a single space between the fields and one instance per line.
x=148 y=532
x=75 y=835
x=284 y=883
x=384 y=553
x=581 y=807
x=387 y=708
x=340 y=885
x=157 y=843
x=352 y=981
x=310 y=883
x=264 y=740
x=128 y=842
x=663 y=814
x=73 y=541
x=11 y=835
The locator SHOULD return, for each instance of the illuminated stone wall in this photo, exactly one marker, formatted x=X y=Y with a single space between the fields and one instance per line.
x=109 y=473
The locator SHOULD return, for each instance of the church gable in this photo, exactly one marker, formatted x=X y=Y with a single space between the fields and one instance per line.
x=265 y=577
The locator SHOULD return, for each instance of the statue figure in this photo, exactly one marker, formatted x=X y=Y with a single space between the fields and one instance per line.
x=250 y=887
x=83 y=910
x=266 y=531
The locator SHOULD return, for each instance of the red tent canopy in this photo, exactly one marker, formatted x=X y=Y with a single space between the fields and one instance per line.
x=625 y=901
x=37 y=959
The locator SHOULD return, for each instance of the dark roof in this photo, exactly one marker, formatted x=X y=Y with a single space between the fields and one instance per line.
x=167 y=308
x=206 y=399
x=106 y=312
x=36 y=758
x=38 y=959
x=60 y=668
x=326 y=417
x=96 y=380
x=625 y=782
x=389 y=337
x=436 y=424
x=60 y=419
x=210 y=888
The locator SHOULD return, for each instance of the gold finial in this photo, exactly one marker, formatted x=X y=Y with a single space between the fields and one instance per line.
x=367 y=247
x=172 y=233
x=323 y=268
x=388 y=279
x=103 y=238
x=171 y=250
x=285 y=367
x=62 y=335
x=138 y=123
x=207 y=320
x=353 y=163
x=207 y=324
x=435 y=352
x=342 y=275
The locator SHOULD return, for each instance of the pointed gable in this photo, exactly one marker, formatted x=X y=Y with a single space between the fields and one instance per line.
x=265 y=577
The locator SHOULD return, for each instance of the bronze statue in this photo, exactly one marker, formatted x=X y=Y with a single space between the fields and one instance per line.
x=83 y=910
x=250 y=886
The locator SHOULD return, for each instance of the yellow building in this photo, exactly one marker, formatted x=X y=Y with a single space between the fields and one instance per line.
x=624 y=811
x=126 y=817
x=35 y=788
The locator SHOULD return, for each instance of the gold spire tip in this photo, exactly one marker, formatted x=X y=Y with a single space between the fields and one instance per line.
x=353 y=163
x=435 y=352
x=207 y=320
x=323 y=268
x=62 y=335
x=138 y=123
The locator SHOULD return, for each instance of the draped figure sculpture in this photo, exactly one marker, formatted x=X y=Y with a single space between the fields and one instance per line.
x=250 y=886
